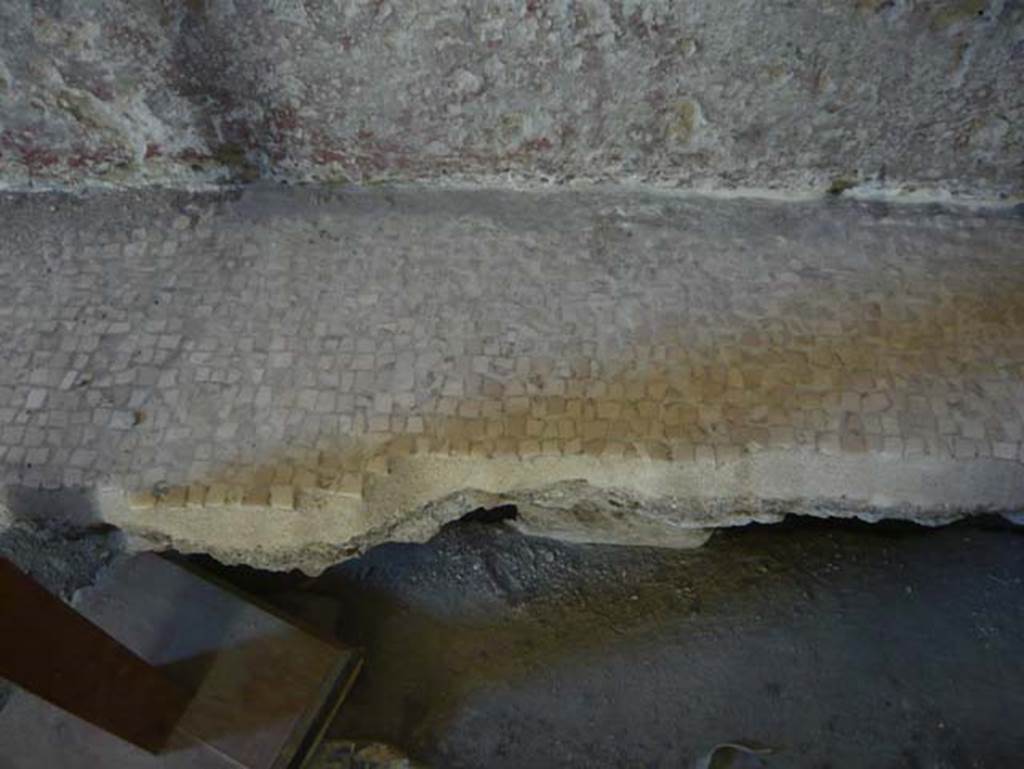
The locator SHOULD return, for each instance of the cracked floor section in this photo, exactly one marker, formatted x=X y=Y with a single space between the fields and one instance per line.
x=286 y=368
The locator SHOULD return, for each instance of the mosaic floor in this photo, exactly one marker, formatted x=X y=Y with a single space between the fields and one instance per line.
x=249 y=348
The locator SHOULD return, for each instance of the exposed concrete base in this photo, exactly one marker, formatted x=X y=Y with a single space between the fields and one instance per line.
x=578 y=499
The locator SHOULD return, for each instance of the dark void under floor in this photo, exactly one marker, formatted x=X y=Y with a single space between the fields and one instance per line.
x=838 y=645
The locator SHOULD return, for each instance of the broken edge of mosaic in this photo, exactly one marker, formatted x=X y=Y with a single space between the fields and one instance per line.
x=579 y=499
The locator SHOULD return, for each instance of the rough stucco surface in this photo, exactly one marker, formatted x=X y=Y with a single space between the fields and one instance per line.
x=287 y=375
x=795 y=95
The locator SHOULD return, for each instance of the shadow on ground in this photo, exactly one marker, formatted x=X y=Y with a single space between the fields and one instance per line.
x=837 y=644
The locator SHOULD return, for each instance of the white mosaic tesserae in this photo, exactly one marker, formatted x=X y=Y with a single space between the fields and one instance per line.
x=312 y=367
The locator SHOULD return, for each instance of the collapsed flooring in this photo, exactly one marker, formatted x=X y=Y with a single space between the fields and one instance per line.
x=287 y=376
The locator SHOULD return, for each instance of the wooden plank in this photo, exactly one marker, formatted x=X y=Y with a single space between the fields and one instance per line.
x=261 y=690
x=49 y=649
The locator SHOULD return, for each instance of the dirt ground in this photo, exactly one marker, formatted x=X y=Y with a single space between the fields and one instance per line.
x=834 y=644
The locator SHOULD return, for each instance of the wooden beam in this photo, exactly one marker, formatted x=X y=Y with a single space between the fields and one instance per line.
x=49 y=649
